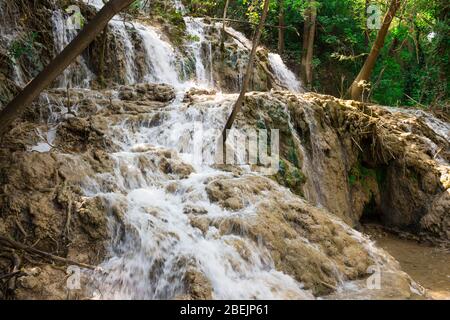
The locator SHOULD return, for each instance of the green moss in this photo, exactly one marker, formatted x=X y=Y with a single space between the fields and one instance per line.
x=352 y=179
x=292 y=156
x=260 y=124
x=414 y=176
x=23 y=45
x=359 y=174
x=192 y=38
x=291 y=177
x=174 y=19
x=381 y=175
x=282 y=169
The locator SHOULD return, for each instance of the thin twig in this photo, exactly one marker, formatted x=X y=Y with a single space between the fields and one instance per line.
x=14 y=244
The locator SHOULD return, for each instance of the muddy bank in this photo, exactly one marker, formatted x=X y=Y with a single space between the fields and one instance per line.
x=427 y=264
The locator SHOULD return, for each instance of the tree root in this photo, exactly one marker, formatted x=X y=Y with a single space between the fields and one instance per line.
x=17 y=245
x=11 y=287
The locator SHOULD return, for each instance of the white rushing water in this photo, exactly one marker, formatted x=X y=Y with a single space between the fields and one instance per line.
x=76 y=75
x=285 y=76
x=160 y=245
x=196 y=28
x=160 y=57
x=122 y=33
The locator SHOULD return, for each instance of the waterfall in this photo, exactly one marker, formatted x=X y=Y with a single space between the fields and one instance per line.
x=161 y=244
x=438 y=126
x=285 y=76
x=239 y=37
x=98 y=4
x=120 y=30
x=76 y=75
x=160 y=57
x=195 y=27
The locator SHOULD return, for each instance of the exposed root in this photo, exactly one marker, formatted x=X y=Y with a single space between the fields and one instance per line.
x=7 y=242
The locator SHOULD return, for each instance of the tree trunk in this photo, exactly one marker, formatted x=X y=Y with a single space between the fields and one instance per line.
x=281 y=27
x=224 y=22
x=366 y=32
x=306 y=24
x=15 y=108
x=309 y=32
x=237 y=106
x=310 y=50
x=364 y=75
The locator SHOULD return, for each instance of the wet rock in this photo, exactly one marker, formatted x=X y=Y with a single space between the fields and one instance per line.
x=201 y=223
x=92 y=213
x=197 y=285
x=193 y=209
x=304 y=241
x=358 y=161
x=147 y=92
x=176 y=167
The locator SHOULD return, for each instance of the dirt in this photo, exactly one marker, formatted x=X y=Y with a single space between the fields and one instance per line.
x=426 y=264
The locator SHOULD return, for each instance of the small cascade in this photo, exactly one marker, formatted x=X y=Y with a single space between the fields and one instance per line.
x=98 y=4
x=312 y=189
x=285 y=76
x=196 y=29
x=161 y=245
x=47 y=133
x=438 y=126
x=19 y=78
x=76 y=75
x=121 y=31
x=160 y=57
x=239 y=37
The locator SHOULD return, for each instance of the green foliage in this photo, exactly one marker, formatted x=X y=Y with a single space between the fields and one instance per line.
x=192 y=38
x=292 y=156
x=23 y=46
x=291 y=176
x=260 y=124
x=202 y=7
x=169 y=15
x=359 y=174
x=412 y=68
x=136 y=6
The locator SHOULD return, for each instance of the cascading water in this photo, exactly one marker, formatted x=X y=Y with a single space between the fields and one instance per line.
x=120 y=30
x=284 y=75
x=195 y=27
x=75 y=75
x=439 y=127
x=161 y=245
x=160 y=56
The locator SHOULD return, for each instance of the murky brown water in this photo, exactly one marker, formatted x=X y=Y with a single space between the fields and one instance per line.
x=427 y=265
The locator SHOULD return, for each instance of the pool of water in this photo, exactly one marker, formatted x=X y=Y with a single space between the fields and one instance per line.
x=427 y=265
